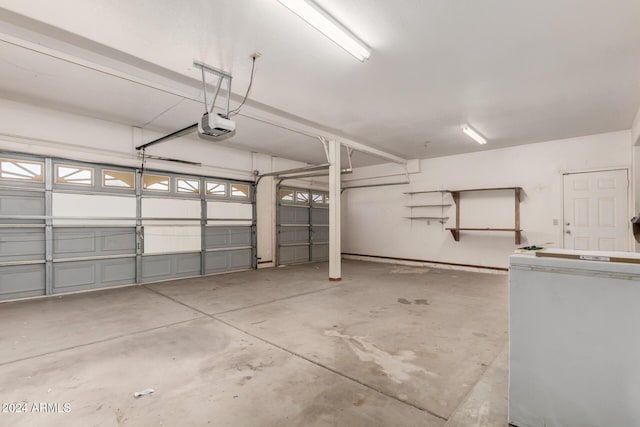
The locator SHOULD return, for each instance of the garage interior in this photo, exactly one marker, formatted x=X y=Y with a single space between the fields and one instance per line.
x=296 y=212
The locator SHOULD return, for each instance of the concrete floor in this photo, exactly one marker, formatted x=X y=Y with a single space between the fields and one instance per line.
x=387 y=346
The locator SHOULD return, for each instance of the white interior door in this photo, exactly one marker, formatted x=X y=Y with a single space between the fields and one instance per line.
x=596 y=211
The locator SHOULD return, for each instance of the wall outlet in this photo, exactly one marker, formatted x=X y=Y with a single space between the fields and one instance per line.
x=556 y=221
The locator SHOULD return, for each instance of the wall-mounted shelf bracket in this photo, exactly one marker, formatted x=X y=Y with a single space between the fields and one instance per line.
x=455 y=232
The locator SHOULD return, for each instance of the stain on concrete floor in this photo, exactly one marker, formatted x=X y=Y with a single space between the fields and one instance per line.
x=396 y=366
x=409 y=270
x=415 y=301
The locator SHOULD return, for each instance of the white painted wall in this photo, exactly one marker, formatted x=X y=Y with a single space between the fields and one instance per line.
x=373 y=222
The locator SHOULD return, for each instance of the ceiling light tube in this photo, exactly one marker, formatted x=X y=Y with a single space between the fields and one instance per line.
x=474 y=134
x=327 y=25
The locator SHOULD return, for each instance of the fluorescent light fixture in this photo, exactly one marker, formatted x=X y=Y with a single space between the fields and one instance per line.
x=327 y=25
x=474 y=134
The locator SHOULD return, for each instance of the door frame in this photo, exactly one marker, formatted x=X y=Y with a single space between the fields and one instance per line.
x=630 y=212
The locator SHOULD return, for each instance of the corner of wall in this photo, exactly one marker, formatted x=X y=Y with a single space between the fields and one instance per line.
x=635 y=129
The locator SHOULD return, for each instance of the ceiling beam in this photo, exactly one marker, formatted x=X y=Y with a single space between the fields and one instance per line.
x=295 y=124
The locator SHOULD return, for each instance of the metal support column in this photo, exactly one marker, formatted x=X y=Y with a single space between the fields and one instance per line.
x=48 y=226
x=276 y=255
x=254 y=226
x=139 y=231
x=335 y=250
x=203 y=225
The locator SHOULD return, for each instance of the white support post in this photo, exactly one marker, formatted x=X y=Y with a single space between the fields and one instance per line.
x=335 y=250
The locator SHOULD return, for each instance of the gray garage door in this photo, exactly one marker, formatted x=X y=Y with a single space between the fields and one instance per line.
x=67 y=226
x=22 y=227
x=302 y=226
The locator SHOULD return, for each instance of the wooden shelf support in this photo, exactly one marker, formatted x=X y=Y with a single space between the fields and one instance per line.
x=455 y=232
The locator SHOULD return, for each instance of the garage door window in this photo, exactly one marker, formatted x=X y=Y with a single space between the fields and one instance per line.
x=286 y=196
x=117 y=179
x=74 y=175
x=155 y=183
x=21 y=170
x=240 y=191
x=185 y=185
x=302 y=197
x=215 y=188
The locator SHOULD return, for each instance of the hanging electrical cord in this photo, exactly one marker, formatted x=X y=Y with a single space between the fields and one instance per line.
x=142 y=162
x=246 y=95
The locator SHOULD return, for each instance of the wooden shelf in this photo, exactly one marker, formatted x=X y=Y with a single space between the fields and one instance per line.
x=429 y=214
x=455 y=232
x=483 y=229
x=425 y=192
x=426 y=206
x=485 y=189
x=441 y=218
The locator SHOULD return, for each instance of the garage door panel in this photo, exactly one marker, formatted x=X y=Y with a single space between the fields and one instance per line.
x=154 y=267
x=21 y=281
x=319 y=234
x=88 y=242
x=220 y=261
x=21 y=244
x=229 y=210
x=319 y=216
x=319 y=252
x=294 y=235
x=153 y=207
x=67 y=243
x=170 y=266
x=90 y=274
x=294 y=254
x=187 y=265
x=240 y=259
x=89 y=209
x=294 y=215
x=21 y=203
x=116 y=271
x=166 y=239
x=74 y=274
x=227 y=237
x=118 y=241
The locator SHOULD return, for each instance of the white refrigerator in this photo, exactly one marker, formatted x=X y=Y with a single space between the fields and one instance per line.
x=574 y=331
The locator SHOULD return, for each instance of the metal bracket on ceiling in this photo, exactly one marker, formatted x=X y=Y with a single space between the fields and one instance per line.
x=325 y=145
x=222 y=76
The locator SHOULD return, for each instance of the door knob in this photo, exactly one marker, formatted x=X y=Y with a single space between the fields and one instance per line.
x=568 y=223
x=568 y=231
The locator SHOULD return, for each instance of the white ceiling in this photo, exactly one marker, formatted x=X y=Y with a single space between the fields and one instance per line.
x=518 y=72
